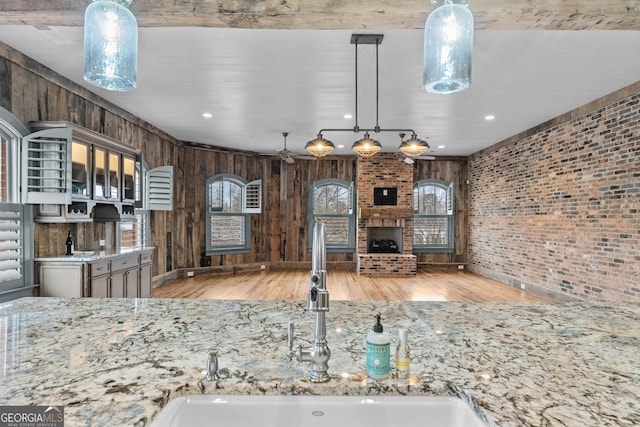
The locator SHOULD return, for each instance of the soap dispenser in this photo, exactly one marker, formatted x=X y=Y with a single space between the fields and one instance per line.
x=378 y=352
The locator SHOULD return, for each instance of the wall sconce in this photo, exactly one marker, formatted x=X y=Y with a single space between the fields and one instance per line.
x=448 y=44
x=110 y=45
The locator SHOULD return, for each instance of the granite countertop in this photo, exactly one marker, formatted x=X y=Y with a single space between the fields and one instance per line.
x=89 y=256
x=117 y=362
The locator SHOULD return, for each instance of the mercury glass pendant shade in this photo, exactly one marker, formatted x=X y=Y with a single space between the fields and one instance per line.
x=366 y=147
x=110 y=45
x=319 y=147
x=448 y=44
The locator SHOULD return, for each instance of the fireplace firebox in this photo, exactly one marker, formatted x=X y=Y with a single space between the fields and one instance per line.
x=384 y=240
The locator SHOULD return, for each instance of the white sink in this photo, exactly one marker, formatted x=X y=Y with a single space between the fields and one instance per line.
x=311 y=411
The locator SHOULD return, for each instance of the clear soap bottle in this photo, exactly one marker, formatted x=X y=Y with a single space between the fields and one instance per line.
x=378 y=352
x=403 y=357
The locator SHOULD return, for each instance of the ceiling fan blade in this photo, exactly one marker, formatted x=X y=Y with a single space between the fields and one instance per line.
x=289 y=160
x=425 y=157
x=408 y=160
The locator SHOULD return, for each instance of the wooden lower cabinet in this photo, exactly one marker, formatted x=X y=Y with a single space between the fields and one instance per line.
x=99 y=287
x=129 y=276
x=145 y=276
x=121 y=276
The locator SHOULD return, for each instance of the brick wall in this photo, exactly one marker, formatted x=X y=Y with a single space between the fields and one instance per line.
x=558 y=209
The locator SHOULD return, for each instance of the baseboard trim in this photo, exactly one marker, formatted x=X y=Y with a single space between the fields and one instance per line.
x=530 y=288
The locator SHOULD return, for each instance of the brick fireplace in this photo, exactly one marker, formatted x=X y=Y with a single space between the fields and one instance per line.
x=391 y=218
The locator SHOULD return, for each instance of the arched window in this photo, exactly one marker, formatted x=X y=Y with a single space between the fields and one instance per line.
x=331 y=201
x=433 y=216
x=230 y=200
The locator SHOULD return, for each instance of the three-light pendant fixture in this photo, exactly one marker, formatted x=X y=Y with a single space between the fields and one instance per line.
x=366 y=146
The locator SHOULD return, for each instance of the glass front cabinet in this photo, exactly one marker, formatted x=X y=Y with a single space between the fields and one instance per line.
x=101 y=175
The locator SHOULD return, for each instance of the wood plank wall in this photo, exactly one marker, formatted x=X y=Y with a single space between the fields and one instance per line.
x=279 y=235
x=32 y=92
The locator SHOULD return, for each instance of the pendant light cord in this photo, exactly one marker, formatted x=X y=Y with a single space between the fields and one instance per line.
x=355 y=129
x=377 y=124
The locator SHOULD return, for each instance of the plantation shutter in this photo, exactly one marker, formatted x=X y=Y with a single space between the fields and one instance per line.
x=253 y=197
x=159 y=188
x=450 y=199
x=11 y=246
x=46 y=167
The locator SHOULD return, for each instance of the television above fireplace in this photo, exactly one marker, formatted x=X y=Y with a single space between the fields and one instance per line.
x=385 y=196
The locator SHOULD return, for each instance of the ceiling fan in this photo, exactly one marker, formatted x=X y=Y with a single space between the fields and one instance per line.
x=411 y=160
x=290 y=156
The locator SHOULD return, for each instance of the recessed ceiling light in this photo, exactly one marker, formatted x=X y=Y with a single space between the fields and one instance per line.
x=340 y=146
x=348 y=116
x=489 y=117
x=441 y=146
x=207 y=115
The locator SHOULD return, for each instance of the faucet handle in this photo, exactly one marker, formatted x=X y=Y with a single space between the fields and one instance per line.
x=291 y=327
x=212 y=367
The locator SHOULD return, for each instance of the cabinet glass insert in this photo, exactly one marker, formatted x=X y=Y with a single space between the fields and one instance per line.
x=114 y=175
x=79 y=169
x=129 y=169
x=100 y=163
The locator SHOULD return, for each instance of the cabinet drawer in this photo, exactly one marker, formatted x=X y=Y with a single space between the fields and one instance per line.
x=124 y=263
x=146 y=258
x=99 y=268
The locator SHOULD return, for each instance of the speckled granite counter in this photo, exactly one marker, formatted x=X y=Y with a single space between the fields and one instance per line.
x=89 y=256
x=117 y=362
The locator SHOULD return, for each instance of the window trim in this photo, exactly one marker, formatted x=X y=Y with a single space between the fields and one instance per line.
x=449 y=215
x=350 y=246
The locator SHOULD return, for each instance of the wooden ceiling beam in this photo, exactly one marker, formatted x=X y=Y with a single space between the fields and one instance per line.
x=338 y=14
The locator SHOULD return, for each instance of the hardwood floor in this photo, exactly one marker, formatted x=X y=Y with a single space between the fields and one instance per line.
x=344 y=285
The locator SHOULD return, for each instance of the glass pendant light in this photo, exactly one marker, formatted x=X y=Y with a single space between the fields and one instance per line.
x=448 y=43
x=319 y=147
x=110 y=45
x=413 y=147
x=366 y=147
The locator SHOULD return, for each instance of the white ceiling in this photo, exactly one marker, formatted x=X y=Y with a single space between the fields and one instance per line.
x=259 y=83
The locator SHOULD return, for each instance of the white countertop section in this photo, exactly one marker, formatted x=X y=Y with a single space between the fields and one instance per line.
x=86 y=256
x=116 y=362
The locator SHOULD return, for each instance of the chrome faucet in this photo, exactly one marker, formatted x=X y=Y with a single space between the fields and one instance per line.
x=318 y=302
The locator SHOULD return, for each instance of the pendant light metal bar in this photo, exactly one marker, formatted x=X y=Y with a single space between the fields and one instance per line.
x=357 y=39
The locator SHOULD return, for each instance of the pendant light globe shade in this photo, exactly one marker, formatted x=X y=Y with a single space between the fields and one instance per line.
x=413 y=147
x=110 y=45
x=319 y=147
x=448 y=44
x=366 y=147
